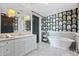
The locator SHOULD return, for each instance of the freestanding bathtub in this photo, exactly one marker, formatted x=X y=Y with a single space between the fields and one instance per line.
x=61 y=40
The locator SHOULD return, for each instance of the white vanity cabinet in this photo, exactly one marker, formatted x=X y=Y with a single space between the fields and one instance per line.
x=7 y=48
x=0 y=51
x=19 y=47
x=30 y=43
x=24 y=45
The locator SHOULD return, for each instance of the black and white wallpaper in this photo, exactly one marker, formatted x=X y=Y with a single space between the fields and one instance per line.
x=63 y=21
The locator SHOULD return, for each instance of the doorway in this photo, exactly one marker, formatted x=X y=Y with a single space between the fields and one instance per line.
x=35 y=26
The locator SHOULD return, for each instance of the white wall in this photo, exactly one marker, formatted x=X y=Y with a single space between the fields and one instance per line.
x=21 y=26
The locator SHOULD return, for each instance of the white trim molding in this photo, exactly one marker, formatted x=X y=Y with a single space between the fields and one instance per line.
x=40 y=18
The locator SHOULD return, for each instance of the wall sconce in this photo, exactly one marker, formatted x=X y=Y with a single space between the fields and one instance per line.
x=11 y=12
x=26 y=18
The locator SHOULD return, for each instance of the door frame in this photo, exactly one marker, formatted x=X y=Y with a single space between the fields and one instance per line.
x=33 y=25
x=40 y=18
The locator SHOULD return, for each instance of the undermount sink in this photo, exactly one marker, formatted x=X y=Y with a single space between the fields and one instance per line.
x=5 y=36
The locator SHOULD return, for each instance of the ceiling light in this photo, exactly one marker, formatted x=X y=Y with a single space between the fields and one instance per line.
x=11 y=12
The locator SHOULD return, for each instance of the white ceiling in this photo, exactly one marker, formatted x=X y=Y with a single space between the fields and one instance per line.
x=41 y=8
x=48 y=9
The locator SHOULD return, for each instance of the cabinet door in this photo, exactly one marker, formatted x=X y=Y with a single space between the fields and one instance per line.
x=0 y=51
x=19 y=47
x=30 y=44
x=33 y=42
x=8 y=48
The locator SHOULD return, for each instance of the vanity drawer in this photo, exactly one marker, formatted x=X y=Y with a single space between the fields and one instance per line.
x=4 y=43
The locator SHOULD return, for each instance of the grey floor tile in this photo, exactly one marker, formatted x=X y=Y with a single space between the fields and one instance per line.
x=45 y=49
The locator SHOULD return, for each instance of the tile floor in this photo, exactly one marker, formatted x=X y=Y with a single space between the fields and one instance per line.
x=44 y=49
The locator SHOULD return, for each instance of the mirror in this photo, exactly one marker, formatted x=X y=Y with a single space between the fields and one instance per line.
x=27 y=23
x=8 y=24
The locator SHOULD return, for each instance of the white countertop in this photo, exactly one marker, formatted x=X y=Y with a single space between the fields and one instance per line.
x=15 y=37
